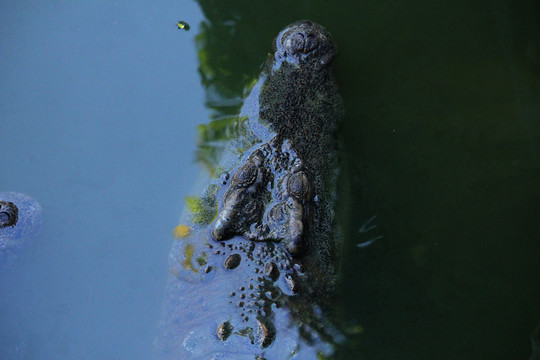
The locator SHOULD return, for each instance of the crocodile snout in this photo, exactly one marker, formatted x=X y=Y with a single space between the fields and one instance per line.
x=302 y=41
x=301 y=37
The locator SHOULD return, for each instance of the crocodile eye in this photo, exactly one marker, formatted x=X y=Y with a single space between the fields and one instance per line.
x=245 y=175
x=9 y=214
x=298 y=185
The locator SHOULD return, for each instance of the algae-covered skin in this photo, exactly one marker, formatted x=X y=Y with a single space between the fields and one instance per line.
x=252 y=280
x=20 y=221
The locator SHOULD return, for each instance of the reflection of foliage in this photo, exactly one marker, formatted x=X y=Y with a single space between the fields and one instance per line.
x=228 y=135
x=233 y=43
x=203 y=209
x=230 y=54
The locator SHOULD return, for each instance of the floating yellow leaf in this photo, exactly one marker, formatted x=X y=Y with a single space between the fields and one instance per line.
x=181 y=231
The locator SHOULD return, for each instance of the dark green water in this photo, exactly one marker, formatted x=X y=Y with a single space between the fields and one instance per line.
x=441 y=141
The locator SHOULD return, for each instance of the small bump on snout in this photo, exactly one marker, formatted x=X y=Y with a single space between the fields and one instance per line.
x=9 y=214
x=291 y=282
x=232 y=261
x=272 y=271
x=265 y=331
x=224 y=330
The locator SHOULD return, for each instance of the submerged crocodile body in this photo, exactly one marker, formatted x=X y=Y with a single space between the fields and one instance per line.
x=254 y=265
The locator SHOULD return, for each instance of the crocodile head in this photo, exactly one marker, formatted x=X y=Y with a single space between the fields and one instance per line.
x=256 y=280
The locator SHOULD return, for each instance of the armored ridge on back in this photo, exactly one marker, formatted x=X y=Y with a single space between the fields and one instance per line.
x=254 y=263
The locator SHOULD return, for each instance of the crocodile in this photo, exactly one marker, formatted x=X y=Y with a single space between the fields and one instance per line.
x=20 y=221
x=253 y=268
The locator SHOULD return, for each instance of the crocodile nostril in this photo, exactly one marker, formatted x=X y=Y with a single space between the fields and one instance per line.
x=297 y=42
x=302 y=42
x=311 y=43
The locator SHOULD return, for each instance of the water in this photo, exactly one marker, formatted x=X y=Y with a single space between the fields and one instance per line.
x=443 y=142
x=98 y=112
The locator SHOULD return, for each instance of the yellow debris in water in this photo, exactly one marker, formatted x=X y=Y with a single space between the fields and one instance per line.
x=181 y=231
x=182 y=25
x=188 y=256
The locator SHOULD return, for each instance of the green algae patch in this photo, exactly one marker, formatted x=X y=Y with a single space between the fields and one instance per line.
x=222 y=142
x=201 y=260
x=203 y=209
x=188 y=256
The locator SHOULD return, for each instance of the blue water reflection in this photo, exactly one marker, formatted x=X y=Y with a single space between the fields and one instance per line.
x=98 y=107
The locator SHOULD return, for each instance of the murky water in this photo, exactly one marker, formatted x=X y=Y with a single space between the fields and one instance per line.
x=441 y=141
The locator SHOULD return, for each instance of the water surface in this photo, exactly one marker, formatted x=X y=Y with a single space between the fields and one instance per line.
x=99 y=105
